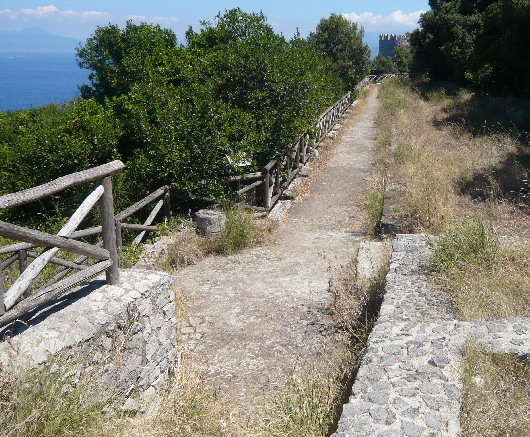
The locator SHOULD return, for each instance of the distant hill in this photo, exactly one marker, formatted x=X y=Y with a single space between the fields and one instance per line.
x=35 y=40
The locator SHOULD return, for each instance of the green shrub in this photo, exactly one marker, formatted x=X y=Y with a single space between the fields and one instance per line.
x=238 y=232
x=467 y=242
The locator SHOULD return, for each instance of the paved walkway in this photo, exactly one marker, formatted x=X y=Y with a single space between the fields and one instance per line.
x=257 y=317
x=409 y=380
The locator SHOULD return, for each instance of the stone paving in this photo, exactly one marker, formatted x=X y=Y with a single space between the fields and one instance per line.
x=409 y=380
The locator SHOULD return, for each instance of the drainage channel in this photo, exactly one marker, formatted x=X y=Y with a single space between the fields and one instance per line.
x=373 y=256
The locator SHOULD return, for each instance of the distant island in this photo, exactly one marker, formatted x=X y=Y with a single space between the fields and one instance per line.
x=33 y=40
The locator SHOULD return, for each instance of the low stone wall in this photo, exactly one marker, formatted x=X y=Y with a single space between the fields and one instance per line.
x=409 y=381
x=123 y=337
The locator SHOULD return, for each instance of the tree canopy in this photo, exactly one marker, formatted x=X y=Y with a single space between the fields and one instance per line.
x=342 y=41
x=481 y=41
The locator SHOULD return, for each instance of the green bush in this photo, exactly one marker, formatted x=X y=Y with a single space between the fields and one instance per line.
x=174 y=114
x=465 y=243
x=238 y=232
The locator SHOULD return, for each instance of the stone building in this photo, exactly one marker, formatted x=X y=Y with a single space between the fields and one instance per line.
x=388 y=42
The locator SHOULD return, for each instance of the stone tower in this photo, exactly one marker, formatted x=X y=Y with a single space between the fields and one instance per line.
x=388 y=42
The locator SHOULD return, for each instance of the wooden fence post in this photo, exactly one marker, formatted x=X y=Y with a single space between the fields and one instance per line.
x=266 y=190
x=22 y=260
x=108 y=225
x=22 y=266
x=2 y=306
x=119 y=240
x=166 y=208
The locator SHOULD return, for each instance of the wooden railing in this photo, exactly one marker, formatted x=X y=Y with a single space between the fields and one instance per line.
x=269 y=184
x=106 y=256
x=75 y=272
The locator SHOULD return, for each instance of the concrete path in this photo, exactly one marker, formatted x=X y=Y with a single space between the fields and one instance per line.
x=258 y=316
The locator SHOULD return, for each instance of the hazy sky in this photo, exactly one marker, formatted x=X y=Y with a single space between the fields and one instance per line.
x=78 y=19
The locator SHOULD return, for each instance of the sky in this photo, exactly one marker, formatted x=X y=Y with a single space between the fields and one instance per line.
x=78 y=19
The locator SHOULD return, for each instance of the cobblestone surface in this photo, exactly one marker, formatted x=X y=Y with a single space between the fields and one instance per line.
x=409 y=381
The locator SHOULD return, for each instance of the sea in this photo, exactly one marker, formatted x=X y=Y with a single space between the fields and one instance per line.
x=34 y=79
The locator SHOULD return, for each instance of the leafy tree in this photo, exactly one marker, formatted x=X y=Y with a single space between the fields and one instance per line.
x=237 y=91
x=383 y=65
x=41 y=144
x=445 y=39
x=174 y=114
x=482 y=41
x=403 y=59
x=118 y=58
x=342 y=41
x=499 y=60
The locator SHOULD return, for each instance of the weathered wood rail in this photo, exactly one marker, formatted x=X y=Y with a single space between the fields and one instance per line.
x=267 y=186
x=105 y=252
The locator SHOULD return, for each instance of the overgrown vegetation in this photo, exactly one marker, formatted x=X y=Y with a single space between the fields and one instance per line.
x=465 y=182
x=496 y=398
x=307 y=407
x=483 y=277
x=482 y=42
x=189 y=246
x=189 y=408
x=454 y=167
x=176 y=114
x=463 y=244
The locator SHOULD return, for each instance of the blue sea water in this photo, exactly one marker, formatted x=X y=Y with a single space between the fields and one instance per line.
x=36 y=79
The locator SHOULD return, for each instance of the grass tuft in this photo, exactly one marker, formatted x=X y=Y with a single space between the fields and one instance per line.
x=372 y=202
x=305 y=409
x=238 y=232
x=467 y=242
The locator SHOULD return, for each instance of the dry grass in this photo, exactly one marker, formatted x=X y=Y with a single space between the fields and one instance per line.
x=189 y=408
x=453 y=171
x=49 y=401
x=496 y=398
x=308 y=405
x=482 y=277
x=189 y=246
x=458 y=177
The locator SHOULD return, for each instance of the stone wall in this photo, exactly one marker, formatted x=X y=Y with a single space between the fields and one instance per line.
x=123 y=337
